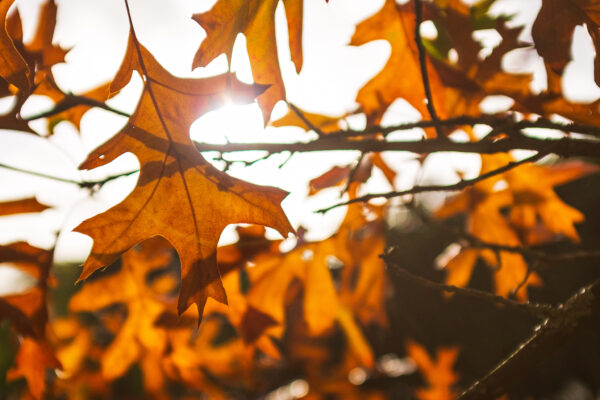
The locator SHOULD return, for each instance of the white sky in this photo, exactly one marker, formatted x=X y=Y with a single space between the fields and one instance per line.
x=332 y=74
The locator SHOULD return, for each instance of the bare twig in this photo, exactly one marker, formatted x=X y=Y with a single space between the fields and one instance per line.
x=423 y=66
x=535 y=309
x=506 y=121
x=565 y=147
x=352 y=173
x=439 y=188
x=304 y=119
x=579 y=309
x=70 y=101
x=82 y=184
x=537 y=256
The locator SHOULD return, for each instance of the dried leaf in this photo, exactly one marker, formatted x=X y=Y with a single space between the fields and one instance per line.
x=438 y=373
x=21 y=206
x=13 y=67
x=256 y=20
x=179 y=195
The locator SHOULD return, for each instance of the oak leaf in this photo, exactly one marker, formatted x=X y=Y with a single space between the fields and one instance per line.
x=256 y=20
x=396 y=24
x=324 y=123
x=438 y=372
x=179 y=195
x=32 y=360
x=27 y=310
x=532 y=187
x=21 y=206
x=72 y=113
x=39 y=56
x=553 y=29
x=485 y=221
x=137 y=336
x=28 y=315
x=13 y=67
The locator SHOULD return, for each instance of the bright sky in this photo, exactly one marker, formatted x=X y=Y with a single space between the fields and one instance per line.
x=332 y=74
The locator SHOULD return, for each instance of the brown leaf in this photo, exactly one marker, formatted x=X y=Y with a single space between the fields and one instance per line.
x=553 y=29
x=72 y=114
x=437 y=372
x=483 y=204
x=27 y=310
x=32 y=360
x=21 y=206
x=256 y=20
x=138 y=335
x=13 y=67
x=396 y=24
x=179 y=195
x=325 y=123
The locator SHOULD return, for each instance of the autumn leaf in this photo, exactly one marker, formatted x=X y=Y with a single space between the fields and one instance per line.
x=338 y=176
x=179 y=195
x=205 y=364
x=138 y=336
x=39 y=55
x=251 y=242
x=13 y=67
x=553 y=29
x=21 y=206
x=33 y=358
x=485 y=221
x=359 y=293
x=396 y=24
x=468 y=80
x=533 y=190
x=324 y=123
x=27 y=310
x=28 y=314
x=438 y=372
x=73 y=113
x=256 y=20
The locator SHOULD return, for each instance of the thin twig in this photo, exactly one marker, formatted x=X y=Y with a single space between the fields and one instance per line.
x=565 y=147
x=423 y=66
x=82 y=184
x=491 y=120
x=352 y=173
x=537 y=256
x=535 y=309
x=70 y=101
x=304 y=119
x=463 y=183
x=579 y=309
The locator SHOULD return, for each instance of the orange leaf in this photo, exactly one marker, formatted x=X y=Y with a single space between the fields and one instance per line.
x=325 y=123
x=396 y=24
x=21 y=206
x=138 y=336
x=32 y=360
x=13 y=67
x=256 y=20
x=438 y=373
x=179 y=195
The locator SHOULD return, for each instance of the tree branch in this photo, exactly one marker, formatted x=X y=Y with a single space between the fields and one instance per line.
x=565 y=147
x=304 y=119
x=438 y=188
x=82 y=184
x=423 y=66
x=582 y=307
x=535 y=309
x=69 y=101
